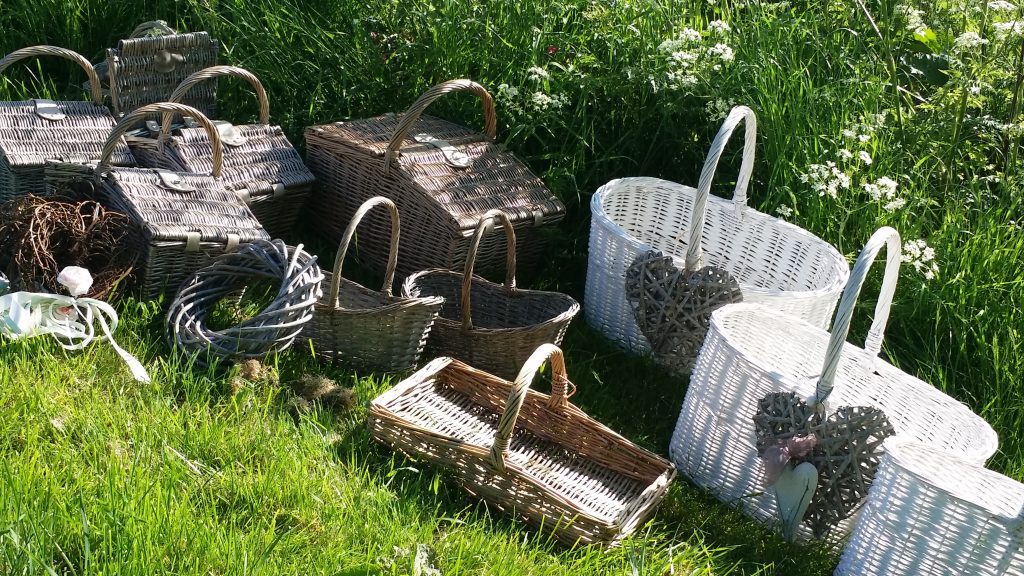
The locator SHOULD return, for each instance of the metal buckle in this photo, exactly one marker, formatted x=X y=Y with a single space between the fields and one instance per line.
x=452 y=155
x=48 y=110
x=229 y=135
x=165 y=61
x=173 y=181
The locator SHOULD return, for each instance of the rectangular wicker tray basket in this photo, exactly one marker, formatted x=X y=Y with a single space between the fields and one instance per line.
x=534 y=455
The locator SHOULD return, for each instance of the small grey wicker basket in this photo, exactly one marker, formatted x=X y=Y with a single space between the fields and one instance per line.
x=187 y=219
x=146 y=67
x=367 y=328
x=35 y=131
x=489 y=326
x=260 y=164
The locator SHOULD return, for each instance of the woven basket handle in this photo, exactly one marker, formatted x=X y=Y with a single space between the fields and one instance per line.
x=889 y=239
x=35 y=51
x=139 y=115
x=160 y=26
x=694 y=252
x=214 y=72
x=339 y=260
x=559 y=397
x=413 y=113
x=485 y=224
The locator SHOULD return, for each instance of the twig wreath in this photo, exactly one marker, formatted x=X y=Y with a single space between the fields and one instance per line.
x=273 y=329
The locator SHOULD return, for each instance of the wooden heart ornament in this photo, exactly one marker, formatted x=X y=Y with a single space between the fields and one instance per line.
x=673 y=307
x=845 y=449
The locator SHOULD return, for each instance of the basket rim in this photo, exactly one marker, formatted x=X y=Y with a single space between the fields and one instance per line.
x=381 y=406
x=897 y=449
x=573 y=307
x=601 y=218
x=397 y=301
x=984 y=431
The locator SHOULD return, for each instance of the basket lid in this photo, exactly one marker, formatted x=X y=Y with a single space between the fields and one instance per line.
x=177 y=206
x=460 y=170
x=73 y=132
x=264 y=162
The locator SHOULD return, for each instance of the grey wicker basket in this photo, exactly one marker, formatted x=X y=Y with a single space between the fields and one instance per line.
x=442 y=176
x=146 y=67
x=365 y=328
x=187 y=219
x=34 y=131
x=490 y=326
x=260 y=164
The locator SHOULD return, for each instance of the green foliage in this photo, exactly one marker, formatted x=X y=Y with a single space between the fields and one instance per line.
x=870 y=113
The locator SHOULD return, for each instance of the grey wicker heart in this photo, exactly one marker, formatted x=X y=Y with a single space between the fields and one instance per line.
x=673 y=307
x=846 y=451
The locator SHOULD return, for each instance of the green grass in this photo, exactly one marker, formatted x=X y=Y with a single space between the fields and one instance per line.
x=101 y=475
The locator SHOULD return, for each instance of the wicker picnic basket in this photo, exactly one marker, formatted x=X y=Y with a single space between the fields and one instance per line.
x=260 y=164
x=34 y=131
x=490 y=326
x=187 y=219
x=776 y=263
x=536 y=456
x=442 y=176
x=146 y=67
x=752 y=351
x=366 y=328
x=930 y=513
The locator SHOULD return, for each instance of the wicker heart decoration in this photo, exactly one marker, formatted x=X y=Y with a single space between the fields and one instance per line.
x=673 y=307
x=845 y=449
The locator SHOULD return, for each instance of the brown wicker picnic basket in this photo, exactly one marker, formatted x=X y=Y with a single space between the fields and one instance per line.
x=536 y=456
x=365 y=328
x=442 y=176
x=260 y=164
x=491 y=326
x=147 y=66
x=187 y=219
x=34 y=131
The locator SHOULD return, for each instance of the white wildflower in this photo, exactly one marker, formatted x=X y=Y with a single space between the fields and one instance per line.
x=1008 y=29
x=722 y=51
x=537 y=73
x=851 y=134
x=506 y=92
x=882 y=189
x=845 y=154
x=915 y=18
x=784 y=211
x=689 y=35
x=894 y=204
x=863 y=137
x=718 y=108
x=974 y=89
x=921 y=256
x=719 y=27
x=968 y=41
x=1001 y=6
x=544 y=102
x=679 y=80
x=683 y=58
x=826 y=179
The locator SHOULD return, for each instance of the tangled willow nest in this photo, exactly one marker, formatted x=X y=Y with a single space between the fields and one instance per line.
x=40 y=236
x=297 y=277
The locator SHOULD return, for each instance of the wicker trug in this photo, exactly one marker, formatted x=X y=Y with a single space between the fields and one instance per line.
x=146 y=68
x=492 y=327
x=35 y=131
x=536 y=456
x=260 y=164
x=187 y=219
x=365 y=328
x=442 y=176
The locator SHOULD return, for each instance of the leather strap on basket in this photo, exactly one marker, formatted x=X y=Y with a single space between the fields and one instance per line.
x=559 y=397
x=487 y=223
x=159 y=26
x=139 y=115
x=339 y=260
x=694 y=252
x=95 y=89
x=889 y=239
x=413 y=113
x=215 y=72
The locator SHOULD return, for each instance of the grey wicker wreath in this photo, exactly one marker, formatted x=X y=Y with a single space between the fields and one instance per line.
x=274 y=328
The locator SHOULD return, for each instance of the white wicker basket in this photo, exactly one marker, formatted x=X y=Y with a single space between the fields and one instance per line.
x=931 y=514
x=751 y=351
x=776 y=263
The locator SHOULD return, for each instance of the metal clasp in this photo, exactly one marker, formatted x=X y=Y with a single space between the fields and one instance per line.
x=229 y=135
x=173 y=181
x=48 y=110
x=452 y=155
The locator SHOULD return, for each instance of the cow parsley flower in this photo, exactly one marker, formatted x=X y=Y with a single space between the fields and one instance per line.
x=537 y=73
x=722 y=51
x=921 y=256
x=894 y=204
x=882 y=189
x=784 y=211
x=826 y=179
x=1001 y=6
x=864 y=157
x=1009 y=29
x=968 y=41
x=719 y=27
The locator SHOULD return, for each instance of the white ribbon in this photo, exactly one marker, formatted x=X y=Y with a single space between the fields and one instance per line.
x=69 y=320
